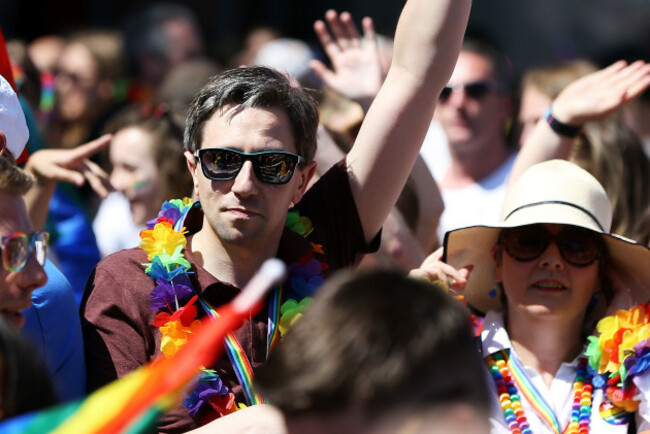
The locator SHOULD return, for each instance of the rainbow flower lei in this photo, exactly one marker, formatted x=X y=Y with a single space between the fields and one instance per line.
x=164 y=241
x=621 y=352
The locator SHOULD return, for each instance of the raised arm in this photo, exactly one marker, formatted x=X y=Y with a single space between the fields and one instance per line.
x=427 y=43
x=50 y=166
x=590 y=98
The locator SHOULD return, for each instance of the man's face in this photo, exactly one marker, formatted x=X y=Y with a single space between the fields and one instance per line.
x=16 y=287
x=473 y=121
x=245 y=211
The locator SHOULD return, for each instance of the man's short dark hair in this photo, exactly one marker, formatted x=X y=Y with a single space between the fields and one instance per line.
x=503 y=73
x=378 y=341
x=255 y=87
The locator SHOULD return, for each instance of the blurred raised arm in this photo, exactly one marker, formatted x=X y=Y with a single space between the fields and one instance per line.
x=50 y=166
x=427 y=42
x=590 y=98
x=357 y=72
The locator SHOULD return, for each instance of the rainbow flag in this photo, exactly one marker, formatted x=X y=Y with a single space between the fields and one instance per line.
x=133 y=403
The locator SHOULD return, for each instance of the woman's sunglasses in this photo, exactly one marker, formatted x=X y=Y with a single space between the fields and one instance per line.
x=272 y=167
x=579 y=247
x=16 y=249
x=476 y=90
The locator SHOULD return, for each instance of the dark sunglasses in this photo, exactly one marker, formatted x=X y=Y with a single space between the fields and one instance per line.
x=16 y=249
x=579 y=247
x=476 y=90
x=272 y=167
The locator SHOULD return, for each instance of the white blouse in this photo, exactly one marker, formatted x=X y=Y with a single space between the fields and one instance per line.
x=560 y=397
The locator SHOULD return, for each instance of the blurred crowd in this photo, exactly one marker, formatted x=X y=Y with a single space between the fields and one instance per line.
x=109 y=127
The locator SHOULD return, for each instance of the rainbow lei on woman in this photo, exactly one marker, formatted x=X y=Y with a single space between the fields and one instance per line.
x=620 y=353
x=174 y=295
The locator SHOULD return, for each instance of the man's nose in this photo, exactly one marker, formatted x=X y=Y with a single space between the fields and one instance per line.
x=245 y=181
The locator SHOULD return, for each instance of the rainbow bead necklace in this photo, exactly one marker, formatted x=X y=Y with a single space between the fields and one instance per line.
x=508 y=375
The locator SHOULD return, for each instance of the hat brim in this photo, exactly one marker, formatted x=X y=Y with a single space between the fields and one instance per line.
x=473 y=246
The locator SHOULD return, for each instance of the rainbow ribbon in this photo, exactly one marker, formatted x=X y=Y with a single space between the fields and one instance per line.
x=532 y=395
x=240 y=363
x=273 y=334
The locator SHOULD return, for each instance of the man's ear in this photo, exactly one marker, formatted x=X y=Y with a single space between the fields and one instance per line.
x=305 y=174
x=192 y=167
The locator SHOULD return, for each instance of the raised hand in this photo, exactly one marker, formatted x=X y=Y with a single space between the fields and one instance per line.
x=357 y=73
x=595 y=96
x=434 y=269
x=72 y=165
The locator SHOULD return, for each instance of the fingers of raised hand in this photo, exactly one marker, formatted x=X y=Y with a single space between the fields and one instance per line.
x=342 y=27
x=97 y=178
x=91 y=148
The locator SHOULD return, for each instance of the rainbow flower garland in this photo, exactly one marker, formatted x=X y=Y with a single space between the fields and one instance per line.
x=620 y=353
x=174 y=295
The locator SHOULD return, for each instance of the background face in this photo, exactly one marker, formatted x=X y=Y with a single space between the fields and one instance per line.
x=532 y=107
x=135 y=173
x=76 y=83
x=472 y=124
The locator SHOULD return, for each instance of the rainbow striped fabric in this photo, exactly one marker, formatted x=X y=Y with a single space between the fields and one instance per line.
x=133 y=403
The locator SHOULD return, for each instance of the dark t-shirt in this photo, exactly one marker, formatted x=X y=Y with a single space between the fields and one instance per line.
x=119 y=335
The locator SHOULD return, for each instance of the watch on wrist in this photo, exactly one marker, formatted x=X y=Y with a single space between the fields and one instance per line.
x=561 y=128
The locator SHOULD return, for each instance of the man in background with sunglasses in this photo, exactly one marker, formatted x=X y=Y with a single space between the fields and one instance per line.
x=473 y=110
x=250 y=141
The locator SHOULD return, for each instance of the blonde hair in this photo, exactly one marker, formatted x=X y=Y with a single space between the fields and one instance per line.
x=607 y=149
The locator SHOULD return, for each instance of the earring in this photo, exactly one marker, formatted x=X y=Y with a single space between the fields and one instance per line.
x=498 y=286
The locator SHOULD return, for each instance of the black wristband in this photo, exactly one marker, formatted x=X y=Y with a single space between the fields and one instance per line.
x=560 y=127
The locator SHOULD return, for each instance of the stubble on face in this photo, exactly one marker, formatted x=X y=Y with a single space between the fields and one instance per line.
x=245 y=211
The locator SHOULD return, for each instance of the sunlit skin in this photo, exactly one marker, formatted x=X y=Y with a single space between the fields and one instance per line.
x=245 y=216
x=16 y=287
x=472 y=125
x=547 y=288
x=532 y=107
x=135 y=173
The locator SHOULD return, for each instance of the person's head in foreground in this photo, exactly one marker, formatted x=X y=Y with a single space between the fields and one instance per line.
x=22 y=250
x=553 y=267
x=378 y=352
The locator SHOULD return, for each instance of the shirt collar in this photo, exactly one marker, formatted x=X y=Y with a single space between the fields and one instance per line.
x=494 y=337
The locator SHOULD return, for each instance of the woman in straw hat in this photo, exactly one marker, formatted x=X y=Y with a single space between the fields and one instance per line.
x=542 y=276
x=548 y=272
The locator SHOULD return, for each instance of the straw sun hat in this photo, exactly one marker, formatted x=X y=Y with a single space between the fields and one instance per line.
x=557 y=192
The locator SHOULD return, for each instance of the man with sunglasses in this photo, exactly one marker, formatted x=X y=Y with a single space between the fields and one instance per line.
x=250 y=140
x=48 y=317
x=23 y=250
x=473 y=110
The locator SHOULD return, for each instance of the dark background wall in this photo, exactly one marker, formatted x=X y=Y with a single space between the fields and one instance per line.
x=530 y=32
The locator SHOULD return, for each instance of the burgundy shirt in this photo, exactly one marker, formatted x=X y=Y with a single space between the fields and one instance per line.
x=117 y=319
